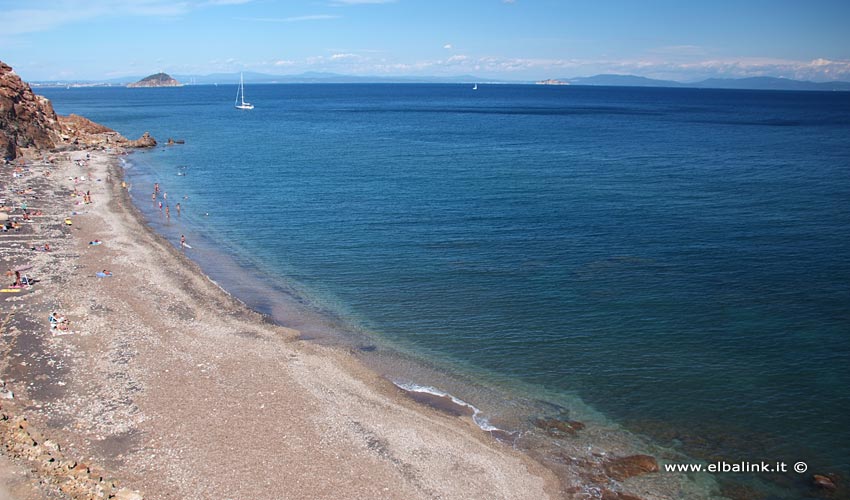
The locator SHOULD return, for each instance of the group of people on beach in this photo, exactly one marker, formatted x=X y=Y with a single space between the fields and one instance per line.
x=166 y=209
x=165 y=199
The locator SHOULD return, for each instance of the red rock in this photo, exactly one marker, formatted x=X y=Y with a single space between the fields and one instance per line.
x=28 y=120
x=145 y=141
x=626 y=467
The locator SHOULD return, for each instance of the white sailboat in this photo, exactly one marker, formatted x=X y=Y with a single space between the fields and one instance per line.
x=240 y=96
x=475 y=87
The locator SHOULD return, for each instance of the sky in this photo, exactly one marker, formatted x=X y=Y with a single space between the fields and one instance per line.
x=525 y=40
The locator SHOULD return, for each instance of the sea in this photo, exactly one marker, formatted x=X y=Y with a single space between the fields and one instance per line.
x=670 y=263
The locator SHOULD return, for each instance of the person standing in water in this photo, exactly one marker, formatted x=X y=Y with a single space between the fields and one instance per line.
x=182 y=241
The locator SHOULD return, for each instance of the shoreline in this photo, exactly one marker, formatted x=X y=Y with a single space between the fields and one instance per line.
x=578 y=452
x=180 y=391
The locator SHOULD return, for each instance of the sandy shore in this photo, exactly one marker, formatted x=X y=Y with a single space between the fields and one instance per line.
x=176 y=390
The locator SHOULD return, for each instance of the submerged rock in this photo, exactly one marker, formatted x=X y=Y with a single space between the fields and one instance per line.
x=824 y=482
x=559 y=428
x=634 y=465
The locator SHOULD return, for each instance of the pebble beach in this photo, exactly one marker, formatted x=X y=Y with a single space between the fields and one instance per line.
x=164 y=386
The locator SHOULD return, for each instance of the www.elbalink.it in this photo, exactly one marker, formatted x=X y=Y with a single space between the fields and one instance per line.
x=737 y=467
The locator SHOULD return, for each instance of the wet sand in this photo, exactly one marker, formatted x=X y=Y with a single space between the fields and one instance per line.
x=176 y=390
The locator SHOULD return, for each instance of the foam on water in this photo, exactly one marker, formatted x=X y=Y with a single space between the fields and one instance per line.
x=479 y=419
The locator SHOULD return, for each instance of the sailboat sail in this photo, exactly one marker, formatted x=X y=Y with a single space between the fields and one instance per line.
x=240 y=96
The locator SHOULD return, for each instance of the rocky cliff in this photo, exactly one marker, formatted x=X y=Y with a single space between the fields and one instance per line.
x=157 y=80
x=28 y=121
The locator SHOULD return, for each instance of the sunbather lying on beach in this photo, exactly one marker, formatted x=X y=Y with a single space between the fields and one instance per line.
x=58 y=322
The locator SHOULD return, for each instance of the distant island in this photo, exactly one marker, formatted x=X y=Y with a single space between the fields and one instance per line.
x=157 y=80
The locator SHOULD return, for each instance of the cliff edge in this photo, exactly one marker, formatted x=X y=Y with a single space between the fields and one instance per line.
x=27 y=120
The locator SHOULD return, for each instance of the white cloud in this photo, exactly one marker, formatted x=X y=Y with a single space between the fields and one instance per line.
x=294 y=19
x=51 y=14
x=337 y=57
x=447 y=46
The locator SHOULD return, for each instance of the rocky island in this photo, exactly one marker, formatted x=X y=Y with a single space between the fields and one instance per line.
x=157 y=80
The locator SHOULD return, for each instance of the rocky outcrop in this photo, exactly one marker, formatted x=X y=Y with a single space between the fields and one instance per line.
x=157 y=80
x=145 y=141
x=28 y=120
x=57 y=470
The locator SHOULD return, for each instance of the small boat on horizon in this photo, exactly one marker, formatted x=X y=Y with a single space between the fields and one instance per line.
x=240 y=96
x=475 y=87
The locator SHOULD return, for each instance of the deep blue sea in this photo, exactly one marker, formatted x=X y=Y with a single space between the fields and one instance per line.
x=677 y=260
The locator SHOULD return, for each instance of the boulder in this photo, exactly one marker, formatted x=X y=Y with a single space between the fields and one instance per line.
x=145 y=141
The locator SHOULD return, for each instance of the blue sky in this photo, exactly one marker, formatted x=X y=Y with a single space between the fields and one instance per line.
x=495 y=39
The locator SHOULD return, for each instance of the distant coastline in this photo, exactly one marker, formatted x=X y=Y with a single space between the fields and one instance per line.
x=755 y=83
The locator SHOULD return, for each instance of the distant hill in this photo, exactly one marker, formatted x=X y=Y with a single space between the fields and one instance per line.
x=755 y=83
x=621 y=81
x=157 y=80
x=320 y=77
x=769 y=83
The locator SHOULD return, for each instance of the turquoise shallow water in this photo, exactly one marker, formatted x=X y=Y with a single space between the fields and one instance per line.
x=676 y=258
